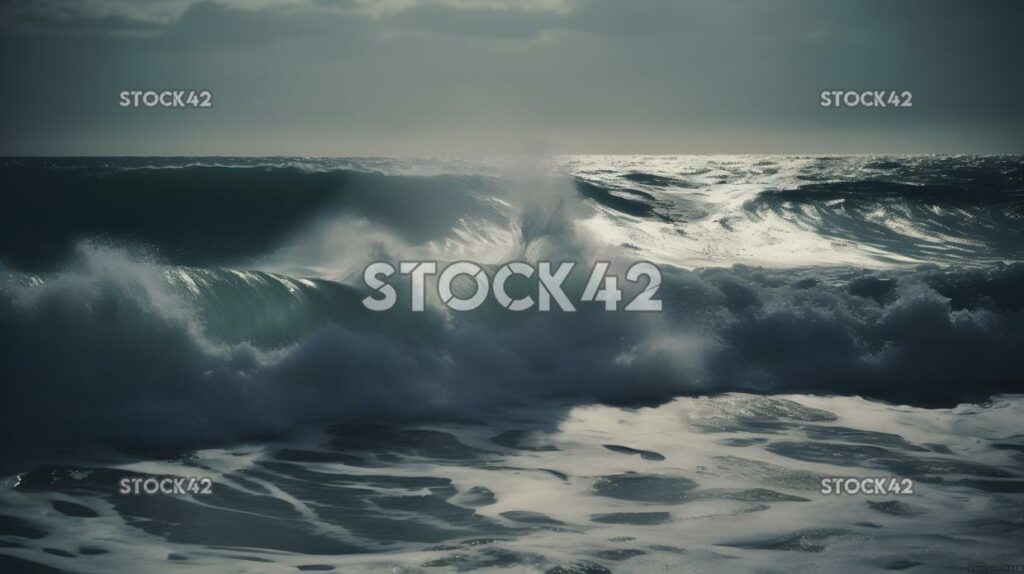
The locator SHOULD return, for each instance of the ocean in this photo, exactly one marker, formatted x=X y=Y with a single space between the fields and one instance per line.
x=822 y=318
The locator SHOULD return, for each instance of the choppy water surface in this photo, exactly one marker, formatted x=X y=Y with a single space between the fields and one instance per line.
x=730 y=483
x=202 y=317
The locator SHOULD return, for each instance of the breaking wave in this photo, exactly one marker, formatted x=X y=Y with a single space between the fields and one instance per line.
x=148 y=303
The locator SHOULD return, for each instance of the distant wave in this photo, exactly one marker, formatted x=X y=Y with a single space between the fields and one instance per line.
x=223 y=211
x=795 y=211
x=202 y=214
x=928 y=221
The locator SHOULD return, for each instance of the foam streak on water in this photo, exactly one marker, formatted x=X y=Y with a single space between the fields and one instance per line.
x=726 y=483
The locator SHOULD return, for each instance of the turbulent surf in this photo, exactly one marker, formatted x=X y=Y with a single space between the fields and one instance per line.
x=211 y=308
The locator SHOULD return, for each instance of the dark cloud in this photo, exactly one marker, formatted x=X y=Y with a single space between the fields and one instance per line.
x=73 y=18
x=215 y=25
x=483 y=23
x=597 y=75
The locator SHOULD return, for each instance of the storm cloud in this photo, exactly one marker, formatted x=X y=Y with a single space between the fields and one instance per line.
x=576 y=76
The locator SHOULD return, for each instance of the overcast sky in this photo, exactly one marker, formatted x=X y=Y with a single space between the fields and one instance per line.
x=428 y=77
